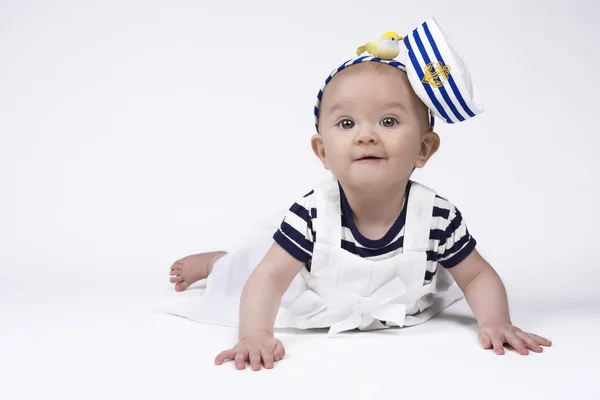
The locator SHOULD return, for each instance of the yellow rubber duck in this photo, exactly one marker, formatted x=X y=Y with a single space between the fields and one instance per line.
x=385 y=48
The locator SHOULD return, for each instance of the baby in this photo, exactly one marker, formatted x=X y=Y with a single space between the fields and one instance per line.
x=370 y=248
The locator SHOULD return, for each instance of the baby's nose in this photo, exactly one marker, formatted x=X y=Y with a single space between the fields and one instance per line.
x=366 y=136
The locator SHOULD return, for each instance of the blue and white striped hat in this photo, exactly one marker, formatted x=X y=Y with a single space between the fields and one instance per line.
x=435 y=71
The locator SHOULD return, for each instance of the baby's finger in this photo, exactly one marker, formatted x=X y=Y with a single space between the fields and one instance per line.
x=540 y=340
x=176 y=279
x=240 y=359
x=267 y=357
x=485 y=341
x=255 y=360
x=224 y=356
x=517 y=343
x=279 y=351
x=530 y=342
x=498 y=343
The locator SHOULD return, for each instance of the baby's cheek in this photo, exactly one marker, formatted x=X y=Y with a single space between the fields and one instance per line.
x=338 y=164
x=333 y=162
x=332 y=153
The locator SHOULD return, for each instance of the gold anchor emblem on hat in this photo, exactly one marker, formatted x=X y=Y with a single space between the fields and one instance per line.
x=434 y=72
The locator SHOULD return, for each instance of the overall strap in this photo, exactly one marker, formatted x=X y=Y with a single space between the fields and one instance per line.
x=419 y=213
x=329 y=213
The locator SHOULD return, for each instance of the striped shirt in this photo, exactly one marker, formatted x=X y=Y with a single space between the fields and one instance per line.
x=449 y=238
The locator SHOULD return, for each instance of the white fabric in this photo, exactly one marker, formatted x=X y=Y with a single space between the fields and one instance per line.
x=342 y=291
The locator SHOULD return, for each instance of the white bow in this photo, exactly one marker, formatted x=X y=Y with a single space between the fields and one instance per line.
x=361 y=311
x=364 y=310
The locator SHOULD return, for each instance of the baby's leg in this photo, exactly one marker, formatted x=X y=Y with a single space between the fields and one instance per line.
x=243 y=259
x=193 y=268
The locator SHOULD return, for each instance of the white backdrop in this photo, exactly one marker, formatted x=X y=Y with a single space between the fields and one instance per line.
x=137 y=132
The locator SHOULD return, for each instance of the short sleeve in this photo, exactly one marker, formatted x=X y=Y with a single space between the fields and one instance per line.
x=296 y=234
x=455 y=243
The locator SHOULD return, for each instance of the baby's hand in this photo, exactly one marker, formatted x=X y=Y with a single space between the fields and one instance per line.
x=262 y=346
x=495 y=335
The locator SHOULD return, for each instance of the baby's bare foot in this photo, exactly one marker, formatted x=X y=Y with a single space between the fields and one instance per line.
x=193 y=268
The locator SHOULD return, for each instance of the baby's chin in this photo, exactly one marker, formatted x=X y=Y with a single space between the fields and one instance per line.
x=368 y=178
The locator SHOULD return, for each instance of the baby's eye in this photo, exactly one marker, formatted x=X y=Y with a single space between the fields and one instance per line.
x=346 y=124
x=389 y=122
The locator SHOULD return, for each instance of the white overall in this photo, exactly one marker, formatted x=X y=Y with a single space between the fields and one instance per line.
x=342 y=291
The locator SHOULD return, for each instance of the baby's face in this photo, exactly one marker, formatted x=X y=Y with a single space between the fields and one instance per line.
x=372 y=125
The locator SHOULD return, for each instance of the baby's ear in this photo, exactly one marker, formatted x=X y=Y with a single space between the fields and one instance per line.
x=429 y=146
x=319 y=149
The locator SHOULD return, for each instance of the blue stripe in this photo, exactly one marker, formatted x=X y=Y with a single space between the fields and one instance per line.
x=299 y=238
x=359 y=59
x=455 y=222
x=291 y=247
x=301 y=212
x=320 y=95
x=441 y=212
x=453 y=225
x=367 y=253
x=312 y=231
x=457 y=93
x=461 y=255
x=316 y=111
x=432 y=255
x=420 y=74
x=429 y=275
x=397 y=64
x=442 y=89
x=450 y=253
x=439 y=235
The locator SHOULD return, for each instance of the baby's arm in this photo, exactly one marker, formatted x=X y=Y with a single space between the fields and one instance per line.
x=483 y=289
x=486 y=296
x=262 y=293
x=259 y=305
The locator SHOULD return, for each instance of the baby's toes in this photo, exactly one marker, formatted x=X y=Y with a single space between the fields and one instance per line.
x=181 y=286
x=176 y=265
x=175 y=276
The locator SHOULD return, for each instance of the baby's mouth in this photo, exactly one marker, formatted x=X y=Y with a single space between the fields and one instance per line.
x=369 y=158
